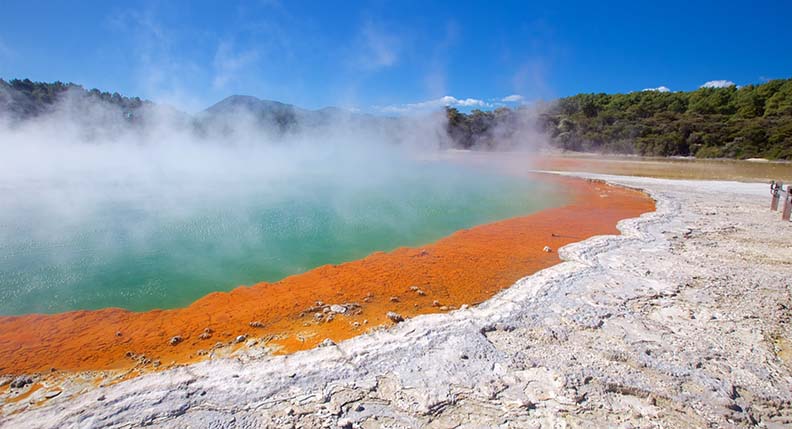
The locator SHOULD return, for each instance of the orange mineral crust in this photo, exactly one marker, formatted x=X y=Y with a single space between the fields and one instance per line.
x=465 y=268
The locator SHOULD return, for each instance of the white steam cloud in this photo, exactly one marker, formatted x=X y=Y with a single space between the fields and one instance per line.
x=66 y=175
x=87 y=185
x=91 y=141
x=77 y=167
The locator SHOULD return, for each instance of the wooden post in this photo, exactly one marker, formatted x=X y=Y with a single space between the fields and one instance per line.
x=775 y=191
x=787 y=204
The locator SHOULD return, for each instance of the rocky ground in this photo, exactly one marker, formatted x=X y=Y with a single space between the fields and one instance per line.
x=682 y=321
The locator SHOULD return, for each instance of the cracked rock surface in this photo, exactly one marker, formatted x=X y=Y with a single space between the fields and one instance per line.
x=682 y=321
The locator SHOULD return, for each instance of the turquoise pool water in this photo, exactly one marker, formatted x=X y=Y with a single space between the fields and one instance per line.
x=142 y=246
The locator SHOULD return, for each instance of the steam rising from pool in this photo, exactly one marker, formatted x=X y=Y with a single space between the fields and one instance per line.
x=98 y=213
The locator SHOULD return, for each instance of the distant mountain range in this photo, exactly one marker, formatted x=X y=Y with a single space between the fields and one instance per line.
x=283 y=117
x=24 y=99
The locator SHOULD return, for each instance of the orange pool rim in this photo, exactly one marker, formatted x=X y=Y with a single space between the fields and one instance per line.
x=466 y=267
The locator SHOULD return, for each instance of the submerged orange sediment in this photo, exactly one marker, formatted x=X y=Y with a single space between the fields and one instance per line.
x=465 y=268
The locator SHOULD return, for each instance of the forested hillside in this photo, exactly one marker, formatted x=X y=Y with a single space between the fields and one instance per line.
x=746 y=122
x=24 y=99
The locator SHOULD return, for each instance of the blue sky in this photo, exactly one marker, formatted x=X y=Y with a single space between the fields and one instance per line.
x=392 y=57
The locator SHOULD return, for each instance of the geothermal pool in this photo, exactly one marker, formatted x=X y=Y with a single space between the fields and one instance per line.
x=140 y=245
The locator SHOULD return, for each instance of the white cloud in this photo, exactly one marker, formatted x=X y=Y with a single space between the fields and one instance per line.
x=514 y=98
x=658 y=89
x=718 y=84
x=434 y=104
x=468 y=102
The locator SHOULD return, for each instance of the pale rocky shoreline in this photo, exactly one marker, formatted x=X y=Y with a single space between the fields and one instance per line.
x=682 y=321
